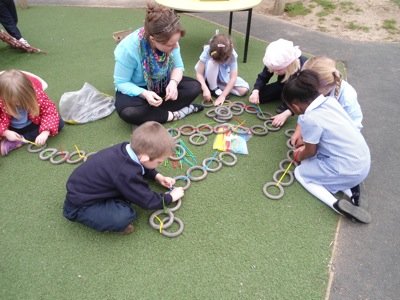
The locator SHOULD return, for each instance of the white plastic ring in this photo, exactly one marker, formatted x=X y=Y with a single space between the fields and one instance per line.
x=208 y=161
x=271 y=196
x=198 y=139
x=47 y=153
x=278 y=174
x=222 y=156
x=176 y=233
x=34 y=149
x=158 y=213
x=196 y=178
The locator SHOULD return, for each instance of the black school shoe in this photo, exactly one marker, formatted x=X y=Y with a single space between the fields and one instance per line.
x=216 y=93
x=351 y=211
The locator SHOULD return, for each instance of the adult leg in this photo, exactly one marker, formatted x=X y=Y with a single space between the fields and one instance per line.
x=188 y=90
x=110 y=215
x=135 y=110
x=9 y=18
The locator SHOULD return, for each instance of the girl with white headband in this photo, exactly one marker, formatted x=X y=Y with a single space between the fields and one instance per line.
x=282 y=59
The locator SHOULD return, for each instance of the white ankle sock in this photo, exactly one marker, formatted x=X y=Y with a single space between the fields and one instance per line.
x=183 y=112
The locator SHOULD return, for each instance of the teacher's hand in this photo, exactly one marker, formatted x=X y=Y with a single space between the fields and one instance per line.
x=152 y=98
x=171 y=92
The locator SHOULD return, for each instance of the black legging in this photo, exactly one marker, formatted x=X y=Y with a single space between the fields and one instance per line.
x=136 y=110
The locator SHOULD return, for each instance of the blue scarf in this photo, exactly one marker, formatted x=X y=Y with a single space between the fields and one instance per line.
x=156 y=65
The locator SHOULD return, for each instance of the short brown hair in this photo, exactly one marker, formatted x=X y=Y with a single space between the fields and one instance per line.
x=17 y=92
x=161 y=23
x=221 y=47
x=152 y=139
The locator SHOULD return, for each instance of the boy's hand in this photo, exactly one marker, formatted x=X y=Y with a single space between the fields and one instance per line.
x=167 y=182
x=177 y=193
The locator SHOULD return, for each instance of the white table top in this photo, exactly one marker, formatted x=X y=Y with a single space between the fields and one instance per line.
x=209 y=5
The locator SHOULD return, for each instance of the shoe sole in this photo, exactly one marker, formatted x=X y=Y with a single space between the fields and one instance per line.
x=352 y=211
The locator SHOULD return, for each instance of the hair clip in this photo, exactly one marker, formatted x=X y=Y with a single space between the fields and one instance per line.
x=213 y=53
x=221 y=46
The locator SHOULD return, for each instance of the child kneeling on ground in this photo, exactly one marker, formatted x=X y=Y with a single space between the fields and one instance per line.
x=335 y=156
x=101 y=190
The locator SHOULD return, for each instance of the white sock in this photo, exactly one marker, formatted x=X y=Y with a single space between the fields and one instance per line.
x=317 y=190
x=183 y=112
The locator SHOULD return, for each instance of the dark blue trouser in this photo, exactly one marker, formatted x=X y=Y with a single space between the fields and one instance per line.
x=107 y=215
x=9 y=18
x=31 y=131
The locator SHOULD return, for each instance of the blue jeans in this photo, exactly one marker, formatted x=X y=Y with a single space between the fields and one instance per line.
x=107 y=215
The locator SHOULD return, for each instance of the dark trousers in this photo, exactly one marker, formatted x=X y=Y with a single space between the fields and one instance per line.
x=136 y=110
x=271 y=92
x=31 y=131
x=9 y=18
x=108 y=215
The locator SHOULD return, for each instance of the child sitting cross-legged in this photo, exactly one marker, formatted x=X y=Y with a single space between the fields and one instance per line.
x=26 y=111
x=335 y=156
x=100 y=192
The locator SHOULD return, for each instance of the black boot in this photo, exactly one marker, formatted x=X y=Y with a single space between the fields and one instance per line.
x=351 y=211
x=355 y=198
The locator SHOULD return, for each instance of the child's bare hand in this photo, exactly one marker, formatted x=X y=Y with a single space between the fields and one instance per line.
x=296 y=140
x=177 y=193
x=297 y=153
x=12 y=135
x=219 y=101
x=207 y=95
x=280 y=119
x=254 y=98
x=167 y=182
x=42 y=138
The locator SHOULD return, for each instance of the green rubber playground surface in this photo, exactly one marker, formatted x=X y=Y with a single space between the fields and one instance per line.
x=236 y=244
